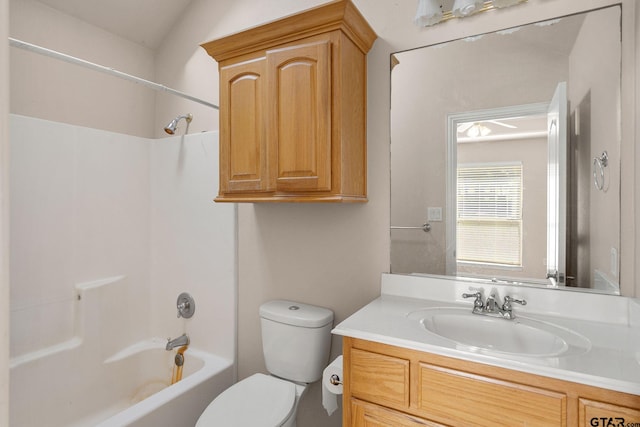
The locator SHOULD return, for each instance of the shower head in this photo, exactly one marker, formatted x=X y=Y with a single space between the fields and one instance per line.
x=172 y=126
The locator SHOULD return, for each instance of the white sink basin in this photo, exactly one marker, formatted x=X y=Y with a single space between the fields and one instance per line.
x=521 y=336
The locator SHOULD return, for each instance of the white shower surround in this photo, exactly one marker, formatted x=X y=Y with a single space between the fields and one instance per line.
x=90 y=205
x=73 y=385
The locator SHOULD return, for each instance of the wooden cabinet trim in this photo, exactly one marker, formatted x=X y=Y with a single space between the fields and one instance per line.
x=283 y=198
x=337 y=15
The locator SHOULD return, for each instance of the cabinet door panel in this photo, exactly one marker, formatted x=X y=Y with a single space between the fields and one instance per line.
x=300 y=116
x=465 y=399
x=380 y=379
x=243 y=149
x=592 y=413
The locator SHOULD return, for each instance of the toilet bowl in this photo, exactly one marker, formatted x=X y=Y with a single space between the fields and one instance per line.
x=296 y=341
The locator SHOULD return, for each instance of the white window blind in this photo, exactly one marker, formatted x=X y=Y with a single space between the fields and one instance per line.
x=489 y=210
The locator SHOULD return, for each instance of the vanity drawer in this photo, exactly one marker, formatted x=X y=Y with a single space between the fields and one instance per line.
x=370 y=415
x=379 y=378
x=593 y=413
x=461 y=398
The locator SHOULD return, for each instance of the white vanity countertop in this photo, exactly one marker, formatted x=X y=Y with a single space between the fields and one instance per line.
x=610 y=323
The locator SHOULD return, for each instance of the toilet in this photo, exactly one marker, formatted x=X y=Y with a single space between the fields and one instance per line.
x=296 y=341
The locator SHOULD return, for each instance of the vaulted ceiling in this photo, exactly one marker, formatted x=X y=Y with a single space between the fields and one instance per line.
x=145 y=22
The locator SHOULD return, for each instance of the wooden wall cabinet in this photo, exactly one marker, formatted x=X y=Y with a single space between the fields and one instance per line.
x=293 y=108
x=391 y=386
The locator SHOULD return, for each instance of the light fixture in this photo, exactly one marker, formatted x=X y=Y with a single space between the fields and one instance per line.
x=505 y=3
x=474 y=129
x=462 y=8
x=429 y=13
x=478 y=130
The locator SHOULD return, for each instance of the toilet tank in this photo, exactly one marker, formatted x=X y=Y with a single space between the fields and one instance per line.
x=296 y=339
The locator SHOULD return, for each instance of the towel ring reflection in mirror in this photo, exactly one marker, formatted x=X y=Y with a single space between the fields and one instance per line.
x=426 y=227
x=599 y=164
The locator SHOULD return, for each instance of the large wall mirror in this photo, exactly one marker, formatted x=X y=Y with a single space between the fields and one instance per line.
x=505 y=155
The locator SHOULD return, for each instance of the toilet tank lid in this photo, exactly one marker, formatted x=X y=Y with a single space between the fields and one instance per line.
x=296 y=314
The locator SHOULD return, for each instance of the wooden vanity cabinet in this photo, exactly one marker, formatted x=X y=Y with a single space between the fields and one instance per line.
x=391 y=386
x=293 y=108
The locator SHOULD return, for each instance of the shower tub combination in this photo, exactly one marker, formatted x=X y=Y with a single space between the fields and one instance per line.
x=71 y=385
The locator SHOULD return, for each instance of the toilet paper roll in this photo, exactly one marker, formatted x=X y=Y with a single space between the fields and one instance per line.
x=332 y=385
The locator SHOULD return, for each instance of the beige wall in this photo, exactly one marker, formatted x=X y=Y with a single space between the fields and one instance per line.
x=588 y=70
x=630 y=158
x=333 y=255
x=4 y=212
x=49 y=89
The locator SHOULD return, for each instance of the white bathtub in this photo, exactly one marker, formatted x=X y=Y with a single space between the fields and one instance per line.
x=64 y=387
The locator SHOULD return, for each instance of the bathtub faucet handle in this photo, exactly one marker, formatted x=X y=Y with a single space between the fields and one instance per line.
x=183 y=306
x=186 y=305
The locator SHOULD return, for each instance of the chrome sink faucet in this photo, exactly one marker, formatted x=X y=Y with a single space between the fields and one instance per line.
x=490 y=307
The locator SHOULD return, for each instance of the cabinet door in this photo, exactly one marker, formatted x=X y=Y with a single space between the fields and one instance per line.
x=299 y=111
x=593 y=413
x=367 y=415
x=243 y=150
x=379 y=378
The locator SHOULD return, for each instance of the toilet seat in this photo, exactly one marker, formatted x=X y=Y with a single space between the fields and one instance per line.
x=259 y=400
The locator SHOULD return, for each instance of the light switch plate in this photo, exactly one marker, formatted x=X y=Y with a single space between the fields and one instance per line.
x=434 y=214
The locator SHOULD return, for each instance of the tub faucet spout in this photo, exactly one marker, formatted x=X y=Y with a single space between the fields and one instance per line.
x=177 y=342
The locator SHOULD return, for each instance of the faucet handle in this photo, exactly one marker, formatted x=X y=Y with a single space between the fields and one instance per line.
x=186 y=305
x=478 y=299
x=508 y=300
